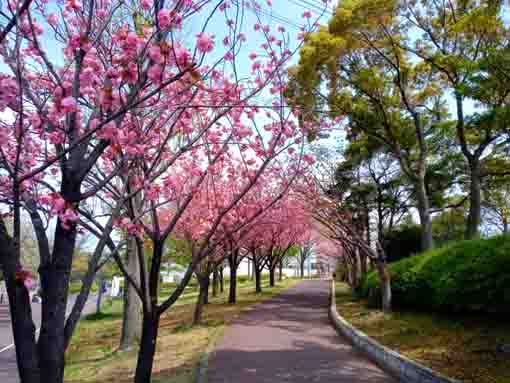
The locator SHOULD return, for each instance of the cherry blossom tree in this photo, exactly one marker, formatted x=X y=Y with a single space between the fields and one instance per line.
x=340 y=225
x=58 y=115
x=138 y=118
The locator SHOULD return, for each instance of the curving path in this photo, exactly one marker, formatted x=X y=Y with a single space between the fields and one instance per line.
x=289 y=338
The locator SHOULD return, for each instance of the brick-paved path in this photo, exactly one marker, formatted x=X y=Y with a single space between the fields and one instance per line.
x=289 y=338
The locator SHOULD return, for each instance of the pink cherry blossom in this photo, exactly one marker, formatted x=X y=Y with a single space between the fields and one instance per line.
x=182 y=56
x=69 y=104
x=52 y=18
x=164 y=18
x=205 y=42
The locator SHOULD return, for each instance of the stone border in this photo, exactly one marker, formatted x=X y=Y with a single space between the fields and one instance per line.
x=203 y=364
x=402 y=368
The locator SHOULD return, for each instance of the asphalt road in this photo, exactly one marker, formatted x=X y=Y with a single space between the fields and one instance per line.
x=8 y=367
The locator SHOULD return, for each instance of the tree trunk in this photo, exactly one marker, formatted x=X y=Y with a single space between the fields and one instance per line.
x=427 y=241
x=201 y=300
x=280 y=276
x=132 y=314
x=302 y=268
x=385 y=280
x=147 y=348
x=232 y=292
x=206 y=289
x=272 y=271
x=475 y=202
x=222 y=285
x=215 y=282
x=23 y=330
x=258 y=284
x=99 y=296
x=356 y=269
x=367 y=223
x=352 y=268
x=55 y=283
x=364 y=266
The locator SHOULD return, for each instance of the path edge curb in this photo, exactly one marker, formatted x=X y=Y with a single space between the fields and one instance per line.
x=397 y=365
x=203 y=364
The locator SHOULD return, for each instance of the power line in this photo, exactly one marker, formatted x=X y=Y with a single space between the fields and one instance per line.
x=317 y=8
x=273 y=15
x=249 y=106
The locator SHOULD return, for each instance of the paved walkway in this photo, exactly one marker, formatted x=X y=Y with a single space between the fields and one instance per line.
x=289 y=338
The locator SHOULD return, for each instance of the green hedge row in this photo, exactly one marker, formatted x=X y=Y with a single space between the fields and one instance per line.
x=464 y=276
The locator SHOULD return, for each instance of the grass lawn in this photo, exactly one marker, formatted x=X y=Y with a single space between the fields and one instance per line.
x=461 y=347
x=93 y=356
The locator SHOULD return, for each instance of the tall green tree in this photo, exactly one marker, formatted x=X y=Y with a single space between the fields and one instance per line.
x=461 y=41
x=357 y=68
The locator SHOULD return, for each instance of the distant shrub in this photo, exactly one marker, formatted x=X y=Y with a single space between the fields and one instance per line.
x=243 y=278
x=402 y=242
x=341 y=272
x=465 y=276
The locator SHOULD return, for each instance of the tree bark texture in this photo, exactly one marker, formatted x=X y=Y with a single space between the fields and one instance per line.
x=475 y=201
x=147 y=350
x=232 y=292
x=132 y=314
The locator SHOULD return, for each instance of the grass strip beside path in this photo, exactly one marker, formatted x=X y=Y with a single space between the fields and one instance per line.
x=92 y=356
x=462 y=347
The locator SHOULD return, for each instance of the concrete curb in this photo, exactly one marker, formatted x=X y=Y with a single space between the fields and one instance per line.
x=402 y=368
x=203 y=364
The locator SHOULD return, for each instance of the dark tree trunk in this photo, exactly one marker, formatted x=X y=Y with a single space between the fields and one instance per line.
x=302 y=268
x=367 y=223
x=258 y=284
x=272 y=271
x=280 y=276
x=54 y=284
x=380 y=217
x=132 y=314
x=147 y=348
x=364 y=265
x=427 y=241
x=215 y=282
x=201 y=300
x=99 y=296
x=222 y=285
x=385 y=280
x=23 y=329
x=206 y=290
x=232 y=292
x=475 y=202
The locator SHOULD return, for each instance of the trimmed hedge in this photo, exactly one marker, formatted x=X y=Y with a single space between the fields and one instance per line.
x=465 y=276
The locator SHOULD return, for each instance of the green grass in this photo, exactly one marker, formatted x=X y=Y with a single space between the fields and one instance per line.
x=459 y=346
x=75 y=287
x=93 y=356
